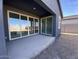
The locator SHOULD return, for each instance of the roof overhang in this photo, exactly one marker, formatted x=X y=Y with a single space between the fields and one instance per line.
x=36 y=7
x=60 y=8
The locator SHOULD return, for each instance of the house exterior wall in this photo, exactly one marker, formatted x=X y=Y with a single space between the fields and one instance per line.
x=3 y=53
x=70 y=24
x=53 y=5
x=73 y=17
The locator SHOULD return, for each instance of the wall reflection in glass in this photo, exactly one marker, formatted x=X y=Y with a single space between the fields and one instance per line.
x=31 y=27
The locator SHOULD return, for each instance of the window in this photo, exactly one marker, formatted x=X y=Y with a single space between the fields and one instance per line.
x=13 y=15
x=14 y=27
x=31 y=27
x=24 y=23
x=21 y=25
x=36 y=25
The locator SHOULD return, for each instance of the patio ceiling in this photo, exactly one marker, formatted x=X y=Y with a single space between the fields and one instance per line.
x=30 y=6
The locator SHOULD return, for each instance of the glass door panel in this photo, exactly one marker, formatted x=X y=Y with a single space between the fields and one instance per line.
x=49 y=25
x=43 y=25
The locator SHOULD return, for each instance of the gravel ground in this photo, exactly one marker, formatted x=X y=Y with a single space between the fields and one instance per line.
x=66 y=47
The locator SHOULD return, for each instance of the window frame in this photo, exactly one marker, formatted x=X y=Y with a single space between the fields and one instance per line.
x=20 y=14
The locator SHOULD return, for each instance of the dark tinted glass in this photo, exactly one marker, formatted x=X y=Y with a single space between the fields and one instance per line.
x=49 y=25
x=23 y=17
x=43 y=25
x=13 y=15
x=36 y=25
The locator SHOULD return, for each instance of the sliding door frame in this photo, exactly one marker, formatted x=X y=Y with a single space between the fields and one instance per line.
x=45 y=25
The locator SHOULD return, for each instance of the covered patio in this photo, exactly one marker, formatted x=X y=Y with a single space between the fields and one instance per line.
x=22 y=40
x=34 y=27
x=32 y=13
x=29 y=47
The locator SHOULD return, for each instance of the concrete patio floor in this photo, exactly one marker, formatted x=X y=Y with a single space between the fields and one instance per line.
x=28 y=47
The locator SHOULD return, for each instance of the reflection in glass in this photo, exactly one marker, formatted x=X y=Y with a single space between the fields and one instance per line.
x=43 y=25
x=31 y=27
x=24 y=25
x=36 y=25
x=49 y=25
x=14 y=27
x=19 y=26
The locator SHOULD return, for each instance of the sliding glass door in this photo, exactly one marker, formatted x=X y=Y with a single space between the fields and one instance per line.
x=43 y=26
x=49 y=25
x=46 y=25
